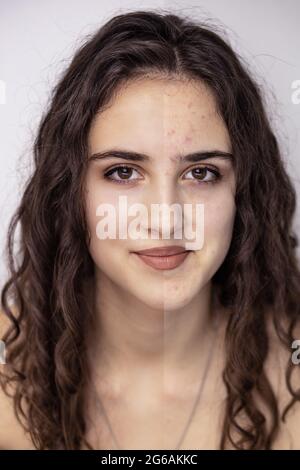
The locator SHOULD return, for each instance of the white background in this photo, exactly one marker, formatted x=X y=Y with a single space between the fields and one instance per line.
x=38 y=39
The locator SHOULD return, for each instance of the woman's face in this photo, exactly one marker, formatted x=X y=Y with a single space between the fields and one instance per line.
x=162 y=120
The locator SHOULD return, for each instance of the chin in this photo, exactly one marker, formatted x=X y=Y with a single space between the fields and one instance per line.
x=167 y=302
x=173 y=304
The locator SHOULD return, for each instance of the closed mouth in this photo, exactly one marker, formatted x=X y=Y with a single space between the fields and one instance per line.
x=162 y=251
x=163 y=259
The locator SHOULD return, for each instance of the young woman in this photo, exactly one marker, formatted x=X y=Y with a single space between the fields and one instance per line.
x=109 y=346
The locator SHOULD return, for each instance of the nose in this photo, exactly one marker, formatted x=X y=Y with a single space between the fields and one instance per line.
x=164 y=207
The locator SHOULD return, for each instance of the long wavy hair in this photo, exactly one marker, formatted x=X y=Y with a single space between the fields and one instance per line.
x=44 y=297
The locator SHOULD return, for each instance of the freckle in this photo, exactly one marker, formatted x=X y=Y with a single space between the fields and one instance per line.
x=203 y=116
x=171 y=132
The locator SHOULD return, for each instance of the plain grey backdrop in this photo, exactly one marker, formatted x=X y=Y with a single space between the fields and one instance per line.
x=38 y=39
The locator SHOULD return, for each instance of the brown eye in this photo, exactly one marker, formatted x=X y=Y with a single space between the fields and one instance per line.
x=204 y=174
x=122 y=174
x=199 y=173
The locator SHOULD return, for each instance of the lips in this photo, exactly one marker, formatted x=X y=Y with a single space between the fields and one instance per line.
x=162 y=251
x=163 y=257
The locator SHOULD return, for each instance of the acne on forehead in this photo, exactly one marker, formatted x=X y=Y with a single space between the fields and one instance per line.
x=187 y=139
x=189 y=116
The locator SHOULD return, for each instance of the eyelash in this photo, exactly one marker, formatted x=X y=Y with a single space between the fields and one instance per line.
x=110 y=172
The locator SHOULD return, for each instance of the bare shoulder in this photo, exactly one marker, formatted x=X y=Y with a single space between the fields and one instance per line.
x=276 y=365
x=12 y=434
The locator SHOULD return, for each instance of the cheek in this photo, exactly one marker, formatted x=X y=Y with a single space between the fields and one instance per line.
x=218 y=220
x=104 y=252
x=105 y=255
x=95 y=196
x=218 y=225
x=115 y=197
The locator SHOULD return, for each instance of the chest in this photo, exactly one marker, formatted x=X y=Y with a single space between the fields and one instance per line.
x=173 y=425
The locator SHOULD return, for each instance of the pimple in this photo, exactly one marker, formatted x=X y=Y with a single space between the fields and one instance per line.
x=187 y=139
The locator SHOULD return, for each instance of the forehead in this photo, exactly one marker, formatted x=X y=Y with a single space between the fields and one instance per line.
x=161 y=116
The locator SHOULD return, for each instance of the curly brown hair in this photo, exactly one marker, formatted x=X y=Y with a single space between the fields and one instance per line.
x=46 y=347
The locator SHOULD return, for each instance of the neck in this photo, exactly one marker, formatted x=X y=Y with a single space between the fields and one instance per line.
x=128 y=339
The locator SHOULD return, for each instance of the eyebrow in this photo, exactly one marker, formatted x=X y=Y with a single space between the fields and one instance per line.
x=140 y=157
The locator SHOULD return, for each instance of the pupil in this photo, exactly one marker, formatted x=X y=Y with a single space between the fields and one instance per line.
x=200 y=172
x=123 y=172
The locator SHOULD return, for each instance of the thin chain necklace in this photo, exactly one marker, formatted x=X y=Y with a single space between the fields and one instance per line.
x=101 y=408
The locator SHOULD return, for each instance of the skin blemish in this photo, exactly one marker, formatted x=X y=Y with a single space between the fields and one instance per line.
x=173 y=159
